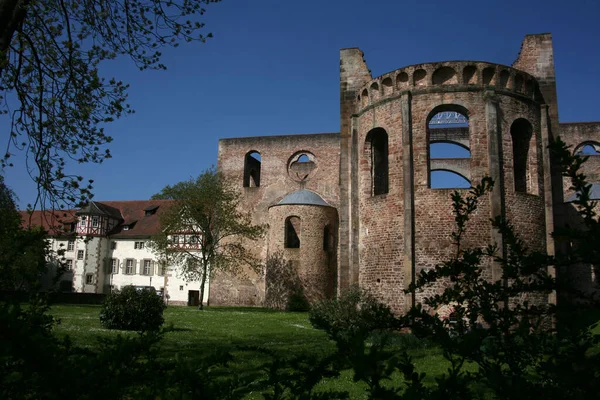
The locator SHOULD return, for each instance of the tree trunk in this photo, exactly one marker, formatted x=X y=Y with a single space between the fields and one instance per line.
x=12 y=15
x=202 y=284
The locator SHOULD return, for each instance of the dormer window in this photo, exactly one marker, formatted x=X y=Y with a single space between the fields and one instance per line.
x=151 y=210
x=128 y=225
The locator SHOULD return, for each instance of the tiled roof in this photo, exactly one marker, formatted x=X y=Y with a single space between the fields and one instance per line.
x=303 y=197
x=135 y=211
x=52 y=221
x=126 y=211
x=96 y=208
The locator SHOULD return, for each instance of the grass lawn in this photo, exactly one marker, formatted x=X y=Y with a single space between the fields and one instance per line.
x=193 y=334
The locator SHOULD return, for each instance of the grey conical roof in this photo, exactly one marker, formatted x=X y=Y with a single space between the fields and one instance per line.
x=303 y=197
x=594 y=193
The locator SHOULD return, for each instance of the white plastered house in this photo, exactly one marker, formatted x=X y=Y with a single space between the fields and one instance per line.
x=106 y=248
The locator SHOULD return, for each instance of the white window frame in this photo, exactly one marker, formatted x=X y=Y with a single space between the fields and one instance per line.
x=147 y=267
x=69 y=264
x=70 y=245
x=138 y=245
x=89 y=279
x=80 y=254
x=129 y=266
x=114 y=266
x=95 y=222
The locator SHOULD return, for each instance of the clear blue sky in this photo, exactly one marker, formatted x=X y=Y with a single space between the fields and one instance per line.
x=273 y=68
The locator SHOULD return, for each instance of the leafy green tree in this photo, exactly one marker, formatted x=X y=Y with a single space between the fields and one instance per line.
x=22 y=251
x=50 y=82
x=204 y=229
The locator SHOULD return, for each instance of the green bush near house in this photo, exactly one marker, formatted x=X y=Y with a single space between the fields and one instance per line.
x=133 y=309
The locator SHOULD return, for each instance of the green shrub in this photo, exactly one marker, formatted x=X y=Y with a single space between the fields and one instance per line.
x=350 y=319
x=133 y=310
x=297 y=301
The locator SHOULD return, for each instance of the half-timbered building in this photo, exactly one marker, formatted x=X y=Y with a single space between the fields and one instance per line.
x=104 y=247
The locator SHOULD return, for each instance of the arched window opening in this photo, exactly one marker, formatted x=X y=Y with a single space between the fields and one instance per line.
x=292 y=232
x=449 y=148
x=441 y=179
x=326 y=236
x=378 y=140
x=521 y=132
x=303 y=158
x=252 y=165
x=588 y=149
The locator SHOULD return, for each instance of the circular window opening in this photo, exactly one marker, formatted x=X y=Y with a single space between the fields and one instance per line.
x=302 y=166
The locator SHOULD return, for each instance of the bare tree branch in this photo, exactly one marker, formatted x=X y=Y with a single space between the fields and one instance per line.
x=50 y=55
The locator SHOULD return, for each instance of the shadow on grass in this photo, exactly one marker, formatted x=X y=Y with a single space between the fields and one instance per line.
x=253 y=310
x=169 y=329
x=97 y=306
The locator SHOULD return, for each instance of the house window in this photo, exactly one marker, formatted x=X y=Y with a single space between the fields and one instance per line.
x=147 y=267
x=71 y=245
x=292 y=233
x=125 y=227
x=148 y=211
x=89 y=279
x=113 y=245
x=175 y=239
x=94 y=222
x=180 y=287
x=252 y=164
x=83 y=220
x=114 y=266
x=129 y=268
x=69 y=265
x=80 y=254
x=138 y=245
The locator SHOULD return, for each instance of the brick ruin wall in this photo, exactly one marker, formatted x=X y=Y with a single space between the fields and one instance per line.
x=383 y=267
x=384 y=239
x=577 y=135
x=279 y=176
x=314 y=264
